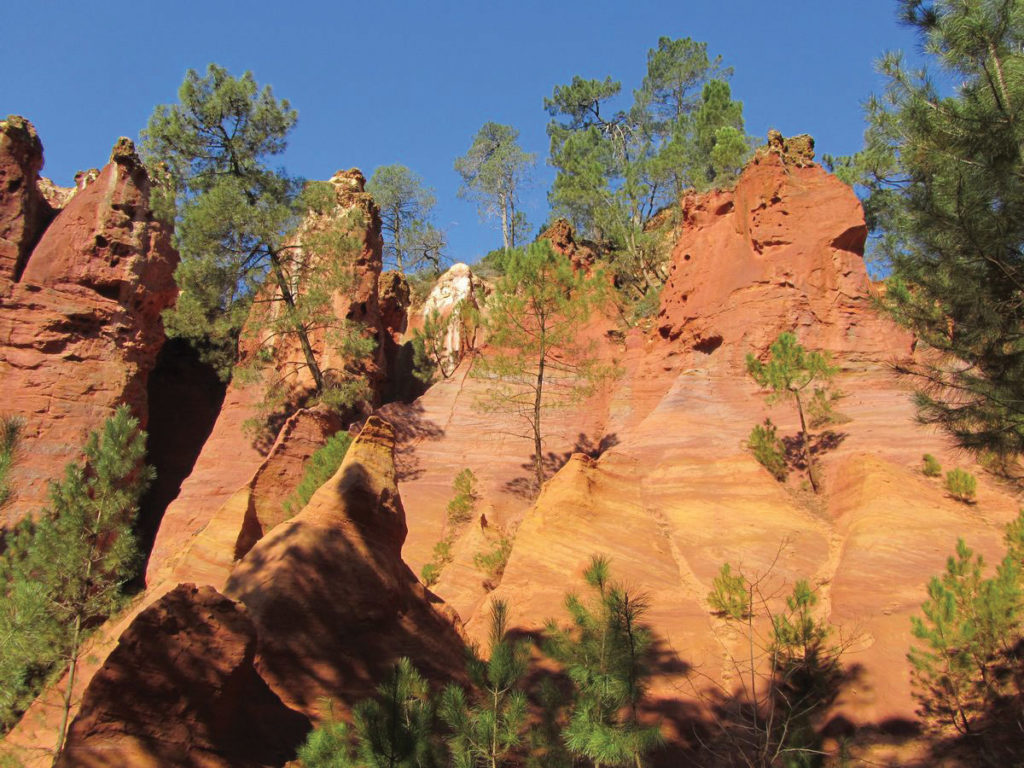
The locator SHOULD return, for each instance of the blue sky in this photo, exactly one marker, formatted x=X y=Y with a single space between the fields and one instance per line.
x=411 y=82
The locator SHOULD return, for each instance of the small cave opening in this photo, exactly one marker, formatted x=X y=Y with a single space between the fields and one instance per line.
x=185 y=397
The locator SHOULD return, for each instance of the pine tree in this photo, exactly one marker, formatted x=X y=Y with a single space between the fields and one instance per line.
x=250 y=236
x=411 y=242
x=487 y=723
x=946 y=181
x=66 y=571
x=605 y=652
x=969 y=626
x=789 y=677
x=392 y=730
x=618 y=167
x=493 y=171
x=536 y=360
x=790 y=373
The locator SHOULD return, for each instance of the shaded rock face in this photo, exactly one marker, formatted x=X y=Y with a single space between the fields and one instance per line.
x=24 y=211
x=80 y=331
x=662 y=482
x=185 y=396
x=334 y=604
x=181 y=689
x=234 y=494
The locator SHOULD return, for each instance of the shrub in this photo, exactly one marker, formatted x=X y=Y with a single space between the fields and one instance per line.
x=460 y=508
x=931 y=467
x=730 y=596
x=768 y=449
x=646 y=306
x=10 y=437
x=320 y=467
x=492 y=265
x=493 y=562
x=430 y=573
x=961 y=485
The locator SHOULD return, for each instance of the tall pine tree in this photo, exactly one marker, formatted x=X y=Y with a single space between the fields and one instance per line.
x=946 y=182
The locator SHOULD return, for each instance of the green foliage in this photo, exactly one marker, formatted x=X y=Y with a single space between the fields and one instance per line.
x=393 y=730
x=966 y=636
x=768 y=449
x=605 y=652
x=806 y=675
x=441 y=556
x=242 y=259
x=493 y=171
x=931 y=467
x=411 y=242
x=63 y=573
x=319 y=468
x=616 y=169
x=536 y=360
x=329 y=745
x=460 y=512
x=945 y=183
x=421 y=283
x=486 y=724
x=961 y=485
x=493 y=562
x=492 y=265
x=11 y=428
x=646 y=307
x=789 y=372
x=460 y=508
x=790 y=677
x=730 y=594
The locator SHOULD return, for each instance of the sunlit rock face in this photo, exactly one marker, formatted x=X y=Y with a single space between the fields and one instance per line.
x=80 y=325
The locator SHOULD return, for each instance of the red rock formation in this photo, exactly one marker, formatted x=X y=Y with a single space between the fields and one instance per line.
x=785 y=247
x=582 y=254
x=24 y=212
x=334 y=604
x=181 y=689
x=79 y=333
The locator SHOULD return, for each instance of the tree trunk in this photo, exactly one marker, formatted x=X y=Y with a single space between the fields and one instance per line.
x=307 y=348
x=538 y=449
x=503 y=203
x=805 y=440
x=68 y=691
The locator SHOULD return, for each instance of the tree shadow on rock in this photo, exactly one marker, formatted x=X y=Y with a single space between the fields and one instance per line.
x=525 y=486
x=411 y=428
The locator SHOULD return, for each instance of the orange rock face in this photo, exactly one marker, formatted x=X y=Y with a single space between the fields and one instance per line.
x=24 y=211
x=181 y=689
x=665 y=486
x=80 y=328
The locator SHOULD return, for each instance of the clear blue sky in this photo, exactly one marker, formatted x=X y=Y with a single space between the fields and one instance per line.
x=411 y=82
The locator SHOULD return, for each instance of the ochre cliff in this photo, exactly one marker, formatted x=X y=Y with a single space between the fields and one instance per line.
x=663 y=484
